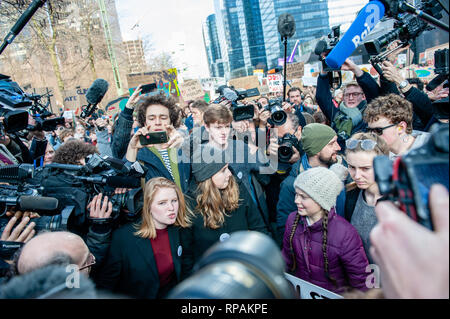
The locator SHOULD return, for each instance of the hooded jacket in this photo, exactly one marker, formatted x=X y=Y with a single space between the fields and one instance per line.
x=347 y=260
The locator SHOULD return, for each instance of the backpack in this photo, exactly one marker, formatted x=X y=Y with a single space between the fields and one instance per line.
x=343 y=125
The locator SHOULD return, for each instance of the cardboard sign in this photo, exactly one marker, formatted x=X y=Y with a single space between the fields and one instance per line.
x=247 y=82
x=308 y=290
x=309 y=81
x=165 y=80
x=275 y=82
x=192 y=90
x=73 y=100
x=294 y=70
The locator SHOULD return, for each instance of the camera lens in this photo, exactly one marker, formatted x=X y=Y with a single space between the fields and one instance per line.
x=285 y=152
x=279 y=117
x=247 y=265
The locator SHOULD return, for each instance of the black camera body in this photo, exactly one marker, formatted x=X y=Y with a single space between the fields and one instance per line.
x=277 y=115
x=409 y=178
x=323 y=47
x=286 y=144
x=241 y=112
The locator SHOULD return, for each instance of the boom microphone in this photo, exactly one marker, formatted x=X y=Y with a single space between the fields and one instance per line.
x=94 y=95
x=364 y=23
x=30 y=202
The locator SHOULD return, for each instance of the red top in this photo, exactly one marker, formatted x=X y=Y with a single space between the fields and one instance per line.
x=163 y=256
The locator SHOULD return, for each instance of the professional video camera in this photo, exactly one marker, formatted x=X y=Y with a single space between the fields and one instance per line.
x=407 y=28
x=247 y=265
x=240 y=111
x=323 y=47
x=277 y=115
x=13 y=105
x=73 y=187
x=409 y=178
x=286 y=144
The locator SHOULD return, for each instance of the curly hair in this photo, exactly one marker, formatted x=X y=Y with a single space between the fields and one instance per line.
x=393 y=107
x=146 y=101
x=73 y=151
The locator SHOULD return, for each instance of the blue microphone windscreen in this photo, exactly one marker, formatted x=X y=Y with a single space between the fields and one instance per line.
x=364 y=23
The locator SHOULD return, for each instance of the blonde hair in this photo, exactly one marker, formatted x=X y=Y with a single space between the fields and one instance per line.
x=147 y=228
x=213 y=203
x=381 y=148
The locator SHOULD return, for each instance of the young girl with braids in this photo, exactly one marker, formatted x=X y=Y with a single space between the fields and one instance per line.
x=319 y=246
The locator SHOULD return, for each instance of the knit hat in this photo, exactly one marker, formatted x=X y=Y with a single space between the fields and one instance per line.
x=315 y=137
x=206 y=162
x=323 y=185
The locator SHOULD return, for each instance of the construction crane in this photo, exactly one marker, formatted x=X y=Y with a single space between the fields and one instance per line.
x=109 y=44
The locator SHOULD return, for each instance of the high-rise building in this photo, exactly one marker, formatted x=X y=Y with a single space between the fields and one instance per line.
x=136 y=57
x=248 y=30
x=212 y=47
x=343 y=12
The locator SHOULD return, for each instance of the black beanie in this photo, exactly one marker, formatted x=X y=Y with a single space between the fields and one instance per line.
x=207 y=161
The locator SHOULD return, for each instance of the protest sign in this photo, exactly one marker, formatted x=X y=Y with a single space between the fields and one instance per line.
x=165 y=80
x=308 y=290
x=73 y=100
x=294 y=70
x=309 y=81
x=275 y=82
x=246 y=82
x=191 y=90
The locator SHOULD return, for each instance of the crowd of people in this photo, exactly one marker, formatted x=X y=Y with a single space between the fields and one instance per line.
x=308 y=183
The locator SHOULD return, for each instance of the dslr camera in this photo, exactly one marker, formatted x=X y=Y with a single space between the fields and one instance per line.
x=277 y=115
x=241 y=112
x=286 y=144
x=409 y=178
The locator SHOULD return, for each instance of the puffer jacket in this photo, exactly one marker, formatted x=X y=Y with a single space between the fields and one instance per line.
x=347 y=260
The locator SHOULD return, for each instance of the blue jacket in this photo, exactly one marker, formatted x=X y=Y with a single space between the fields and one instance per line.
x=156 y=168
x=286 y=202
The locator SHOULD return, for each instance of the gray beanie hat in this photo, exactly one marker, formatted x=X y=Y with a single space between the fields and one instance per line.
x=206 y=162
x=323 y=185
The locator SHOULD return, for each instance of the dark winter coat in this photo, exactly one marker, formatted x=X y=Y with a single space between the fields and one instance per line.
x=347 y=260
x=130 y=267
x=197 y=238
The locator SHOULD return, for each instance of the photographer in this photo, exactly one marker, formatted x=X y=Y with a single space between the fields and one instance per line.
x=295 y=98
x=347 y=119
x=159 y=114
x=413 y=260
x=103 y=137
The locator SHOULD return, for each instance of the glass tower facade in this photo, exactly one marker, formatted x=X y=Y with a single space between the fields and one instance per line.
x=212 y=47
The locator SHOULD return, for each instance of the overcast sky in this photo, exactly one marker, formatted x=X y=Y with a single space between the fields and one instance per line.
x=169 y=23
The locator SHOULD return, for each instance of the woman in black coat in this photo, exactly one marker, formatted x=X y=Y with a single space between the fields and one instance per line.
x=144 y=259
x=220 y=207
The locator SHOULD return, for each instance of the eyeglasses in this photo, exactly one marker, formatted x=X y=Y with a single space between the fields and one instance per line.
x=379 y=130
x=354 y=94
x=90 y=261
x=366 y=145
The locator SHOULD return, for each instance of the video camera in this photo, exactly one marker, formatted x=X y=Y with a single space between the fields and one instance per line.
x=323 y=47
x=409 y=178
x=240 y=111
x=407 y=28
x=73 y=187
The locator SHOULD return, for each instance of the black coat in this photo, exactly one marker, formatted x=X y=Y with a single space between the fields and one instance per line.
x=130 y=267
x=197 y=238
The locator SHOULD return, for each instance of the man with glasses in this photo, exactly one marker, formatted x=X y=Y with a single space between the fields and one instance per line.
x=347 y=118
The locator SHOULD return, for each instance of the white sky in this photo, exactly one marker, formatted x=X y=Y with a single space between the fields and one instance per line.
x=169 y=24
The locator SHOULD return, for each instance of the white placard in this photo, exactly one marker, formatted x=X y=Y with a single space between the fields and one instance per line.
x=308 y=290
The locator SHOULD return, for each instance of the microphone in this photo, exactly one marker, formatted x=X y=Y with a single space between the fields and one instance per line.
x=364 y=23
x=23 y=20
x=16 y=172
x=113 y=181
x=30 y=202
x=321 y=46
x=229 y=94
x=94 y=95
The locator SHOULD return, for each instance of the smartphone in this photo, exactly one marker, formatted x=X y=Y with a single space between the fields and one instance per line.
x=148 y=88
x=153 y=138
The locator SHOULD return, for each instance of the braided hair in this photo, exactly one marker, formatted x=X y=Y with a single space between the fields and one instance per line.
x=324 y=247
x=291 y=238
